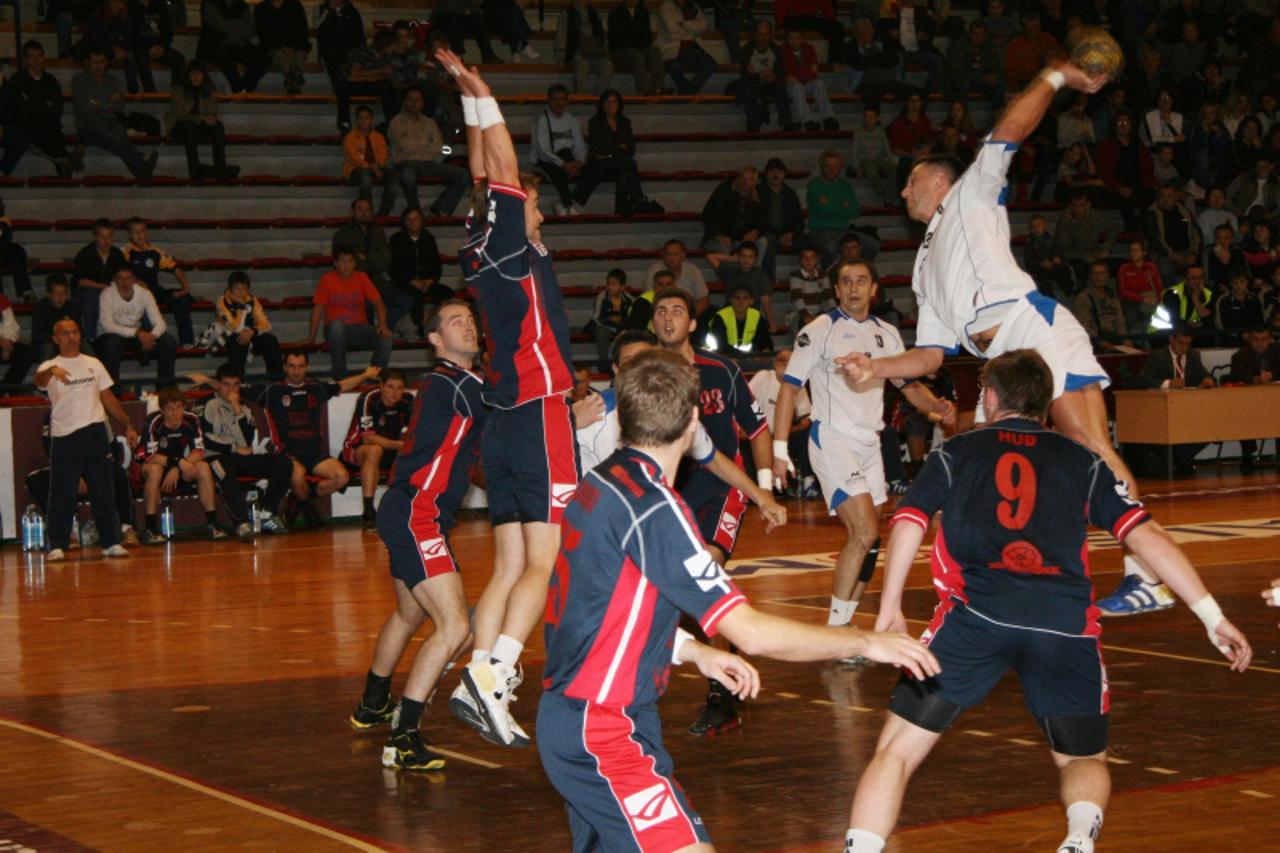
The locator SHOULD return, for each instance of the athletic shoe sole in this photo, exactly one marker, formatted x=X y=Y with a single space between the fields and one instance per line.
x=483 y=710
x=467 y=714
x=391 y=758
x=1152 y=608
x=364 y=727
x=723 y=728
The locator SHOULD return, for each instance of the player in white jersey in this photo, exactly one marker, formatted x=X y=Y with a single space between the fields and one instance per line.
x=972 y=295
x=844 y=438
x=598 y=440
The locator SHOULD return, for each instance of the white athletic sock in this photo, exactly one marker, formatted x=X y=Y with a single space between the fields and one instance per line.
x=841 y=611
x=479 y=654
x=1134 y=566
x=1085 y=818
x=861 y=841
x=507 y=650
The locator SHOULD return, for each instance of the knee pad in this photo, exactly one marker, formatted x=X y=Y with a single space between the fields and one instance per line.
x=869 y=562
x=1076 y=735
x=914 y=702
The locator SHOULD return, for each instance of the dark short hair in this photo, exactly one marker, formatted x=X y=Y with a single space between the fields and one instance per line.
x=775 y=163
x=413 y=87
x=96 y=49
x=103 y=222
x=364 y=109
x=664 y=274
x=749 y=244
x=171 y=394
x=238 y=277
x=948 y=163
x=1022 y=382
x=657 y=398
x=300 y=353
x=356 y=201
x=392 y=373
x=119 y=267
x=227 y=371
x=676 y=293
x=434 y=319
x=617 y=273
x=343 y=250
x=134 y=220
x=404 y=214
x=850 y=237
x=557 y=89
x=673 y=242
x=29 y=46
x=54 y=281
x=626 y=338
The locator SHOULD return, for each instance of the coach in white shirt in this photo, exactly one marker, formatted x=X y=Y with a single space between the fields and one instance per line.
x=79 y=389
x=844 y=438
x=766 y=385
x=122 y=307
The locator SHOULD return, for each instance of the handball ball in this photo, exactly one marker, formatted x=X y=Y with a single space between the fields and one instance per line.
x=1096 y=52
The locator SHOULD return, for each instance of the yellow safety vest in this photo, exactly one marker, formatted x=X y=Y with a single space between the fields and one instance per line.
x=743 y=341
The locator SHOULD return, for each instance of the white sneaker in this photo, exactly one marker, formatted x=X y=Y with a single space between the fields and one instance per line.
x=490 y=686
x=1076 y=843
x=530 y=52
x=115 y=551
x=55 y=555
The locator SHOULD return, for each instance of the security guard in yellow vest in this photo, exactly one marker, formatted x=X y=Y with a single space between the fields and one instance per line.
x=738 y=327
x=1188 y=303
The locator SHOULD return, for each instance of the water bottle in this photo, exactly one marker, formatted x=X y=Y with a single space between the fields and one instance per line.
x=255 y=510
x=166 y=518
x=32 y=529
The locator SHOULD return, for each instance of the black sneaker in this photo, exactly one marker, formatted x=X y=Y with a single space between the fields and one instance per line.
x=291 y=511
x=718 y=716
x=370 y=522
x=153 y=537
x=311 y=515
x=216 y=532
x=365 y=718
x=408 y=751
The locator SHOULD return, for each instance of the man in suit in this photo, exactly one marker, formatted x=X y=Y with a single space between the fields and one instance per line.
x=1255 y=363
x=1175 y=367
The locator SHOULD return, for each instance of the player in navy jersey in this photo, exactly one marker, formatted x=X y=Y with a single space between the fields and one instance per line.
x=632 y=563
x=428 y=482
x=172 y=453
x=1011 y=568
x=528 y=449
x=296 y=411
x=726 y=406
x=376 y=434
x=844 y=440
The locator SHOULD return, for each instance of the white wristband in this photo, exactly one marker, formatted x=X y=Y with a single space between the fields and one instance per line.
x=1056 y=79
x=764 y=479
x=682 y=637
x=1211 y=615
x=1275 y=595
x=781 y=451
x=488 y=113
x=469 y=116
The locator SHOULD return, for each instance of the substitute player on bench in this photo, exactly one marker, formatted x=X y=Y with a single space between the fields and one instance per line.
x=633 y=562
x=844 y=439
x=1010 y=565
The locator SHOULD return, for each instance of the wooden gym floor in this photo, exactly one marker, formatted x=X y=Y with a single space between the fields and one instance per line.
x=195 y=698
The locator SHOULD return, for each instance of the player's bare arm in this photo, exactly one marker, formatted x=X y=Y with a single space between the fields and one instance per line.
x=904 y=544
x=775 y=515
x=926 y=401
x=500 y=163
x=1025 y=112
x=758 y=633
x=783 y=413
x=733 y=672
x=913 y=363
x=1152 y=544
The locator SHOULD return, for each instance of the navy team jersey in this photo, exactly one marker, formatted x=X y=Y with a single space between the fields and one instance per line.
x=442 y=441
x=727 y=404
x=526 y=330
x=631 y=562
x=173 y=443
x=296 y=415
x=1016 y=499
x=373 y=417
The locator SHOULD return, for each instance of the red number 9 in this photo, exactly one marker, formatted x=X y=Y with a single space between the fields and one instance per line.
x=1019 y=497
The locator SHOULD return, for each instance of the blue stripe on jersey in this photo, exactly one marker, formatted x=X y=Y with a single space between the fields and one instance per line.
x=786 y=377
x=1043 y=304
x=1075 y=381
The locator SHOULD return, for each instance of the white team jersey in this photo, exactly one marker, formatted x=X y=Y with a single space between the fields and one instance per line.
x=965 y=278
x=764 y=385
x=856 y=411
x=599 y=440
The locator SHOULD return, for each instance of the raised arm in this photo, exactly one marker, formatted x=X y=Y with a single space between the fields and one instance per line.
x=499 y=152
x=1025 y=111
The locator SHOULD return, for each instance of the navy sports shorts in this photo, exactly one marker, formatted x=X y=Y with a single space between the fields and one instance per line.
x=530 y=459
x=1062 y=675
x=717 y=507
x=417 y=538
x=610 y=766
x=309 y=461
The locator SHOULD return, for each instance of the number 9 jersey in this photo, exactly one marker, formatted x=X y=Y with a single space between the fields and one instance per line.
x=1016 y=500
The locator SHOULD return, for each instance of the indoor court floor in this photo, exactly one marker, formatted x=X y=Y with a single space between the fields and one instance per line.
x=196 y=698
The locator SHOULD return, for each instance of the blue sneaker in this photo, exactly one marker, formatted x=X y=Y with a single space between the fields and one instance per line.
x=1134 y=596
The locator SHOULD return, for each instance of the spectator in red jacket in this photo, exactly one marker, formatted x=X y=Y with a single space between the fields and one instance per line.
x=1028 y=51
x=1138 y=281
x=800 y=72
x=817 y=15
x=910 y=125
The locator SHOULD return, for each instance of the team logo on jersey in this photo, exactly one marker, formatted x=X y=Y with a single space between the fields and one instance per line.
x=1122 y=489
x=651 y=806
x=880 y=341
x=803 y=339
x=1023 y=558
x=562 y=494
x=706 y=572
x=728 y=522
x=433 y=548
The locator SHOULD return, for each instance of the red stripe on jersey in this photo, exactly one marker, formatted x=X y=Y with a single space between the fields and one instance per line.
x=518 y=192
x=433 y=548
x=355 y=434
x=1105 y=703
x=435 y=476
x=540 y=368
x=730 y=521
x=939 y=616
x=647 y=798
x=947 y=575
x=1128 y=521
x=1092 y=625
x=608 y=673
x=911 y=514
x=562 y=462
x=711 y=620
x=764 y=425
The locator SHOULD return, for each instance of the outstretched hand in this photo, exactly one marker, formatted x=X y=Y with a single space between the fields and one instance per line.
x=1080 y=80
x=902 y=650
x=857 y=367
x=1233 y=645
x=469 y=80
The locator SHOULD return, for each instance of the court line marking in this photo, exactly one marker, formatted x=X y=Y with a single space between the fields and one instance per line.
x=479 y=762
x=190 y=784
x=1123 y=649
